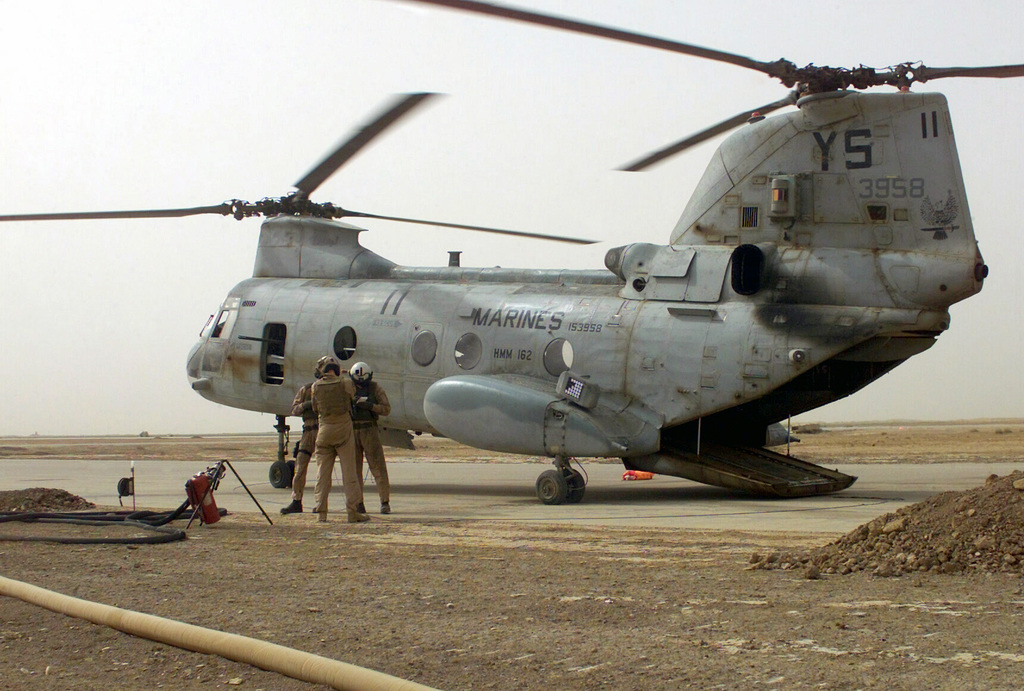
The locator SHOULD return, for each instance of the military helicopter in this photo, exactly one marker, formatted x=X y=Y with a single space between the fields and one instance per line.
x=822 y=248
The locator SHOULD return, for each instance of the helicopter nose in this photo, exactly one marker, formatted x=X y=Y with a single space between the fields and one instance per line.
x=192 y=363
x=192 y=366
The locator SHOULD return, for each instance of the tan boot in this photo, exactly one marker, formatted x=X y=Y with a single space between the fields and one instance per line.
x=356 y=517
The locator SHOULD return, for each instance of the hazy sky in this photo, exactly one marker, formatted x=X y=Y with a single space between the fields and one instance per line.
x=128 y=105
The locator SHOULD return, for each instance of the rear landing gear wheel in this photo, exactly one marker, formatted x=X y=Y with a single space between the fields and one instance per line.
x=552 y=487
x=280 y=474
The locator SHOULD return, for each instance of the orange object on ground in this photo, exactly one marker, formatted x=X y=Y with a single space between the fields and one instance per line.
x=201 y=495
x=637 y=475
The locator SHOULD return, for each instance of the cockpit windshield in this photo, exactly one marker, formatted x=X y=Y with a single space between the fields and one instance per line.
x=225 y=320
x=207 y=327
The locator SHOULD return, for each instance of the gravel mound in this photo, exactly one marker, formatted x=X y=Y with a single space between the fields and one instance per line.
x=41 y=500
x=977 y=530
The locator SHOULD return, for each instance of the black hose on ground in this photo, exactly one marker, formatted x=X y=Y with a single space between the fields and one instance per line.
x=151 y=521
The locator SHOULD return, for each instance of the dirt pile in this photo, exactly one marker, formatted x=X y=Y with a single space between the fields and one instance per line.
x=977 y=530
x=41 y=500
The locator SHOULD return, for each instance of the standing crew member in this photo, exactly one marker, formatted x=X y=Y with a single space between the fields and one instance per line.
x=302 y=406
x=332 y=401
x=371 y=402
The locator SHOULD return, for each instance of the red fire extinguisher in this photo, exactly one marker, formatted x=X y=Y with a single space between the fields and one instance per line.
x=201 y=494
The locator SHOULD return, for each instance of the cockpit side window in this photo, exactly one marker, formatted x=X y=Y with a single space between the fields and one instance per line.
x=225 y=320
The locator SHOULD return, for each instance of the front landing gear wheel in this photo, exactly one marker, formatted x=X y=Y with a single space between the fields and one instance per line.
x=577 y=485
x=280 y=474
x=552 y=487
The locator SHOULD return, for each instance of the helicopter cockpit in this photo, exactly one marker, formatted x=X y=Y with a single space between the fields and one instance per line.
x=206 y=357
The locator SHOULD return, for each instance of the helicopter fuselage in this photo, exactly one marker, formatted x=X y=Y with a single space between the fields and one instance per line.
x=683 y=359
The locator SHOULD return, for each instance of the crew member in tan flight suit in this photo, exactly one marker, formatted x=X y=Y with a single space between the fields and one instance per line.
x=370 y=403
x=302 y=406
x=332 y=401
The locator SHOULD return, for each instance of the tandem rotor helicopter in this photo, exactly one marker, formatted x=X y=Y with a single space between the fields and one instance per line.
x=822 y=247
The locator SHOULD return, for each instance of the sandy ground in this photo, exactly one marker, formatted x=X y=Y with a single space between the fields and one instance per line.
x=477 y=605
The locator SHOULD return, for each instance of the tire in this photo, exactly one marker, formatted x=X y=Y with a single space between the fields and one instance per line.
x=576 y=484
x=552 y=487
x=280 y=475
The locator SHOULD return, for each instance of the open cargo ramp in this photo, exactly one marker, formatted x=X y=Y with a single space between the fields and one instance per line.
x=749 y=469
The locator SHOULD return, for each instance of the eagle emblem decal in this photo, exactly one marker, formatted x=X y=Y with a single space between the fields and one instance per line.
x=940 y=215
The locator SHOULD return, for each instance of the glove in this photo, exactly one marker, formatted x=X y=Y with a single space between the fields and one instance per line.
x=363 y=404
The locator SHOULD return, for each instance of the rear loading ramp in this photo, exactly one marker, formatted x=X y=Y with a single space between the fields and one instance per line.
x=748 y=469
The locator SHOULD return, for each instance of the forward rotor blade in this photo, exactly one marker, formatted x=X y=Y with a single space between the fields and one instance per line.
x=460 y=226
x=323 y=170
x=589 y=29
x=222 y=209
x=923 y=74
x=713 y=131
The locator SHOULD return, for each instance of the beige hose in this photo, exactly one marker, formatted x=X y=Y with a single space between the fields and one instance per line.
x=269 y=656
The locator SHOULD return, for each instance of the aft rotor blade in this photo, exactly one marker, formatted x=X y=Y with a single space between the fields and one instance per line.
x=461 y=226
x=713 y=131
x=923 y=74
x=364 y=136
x=598 y=30
x=222 y=209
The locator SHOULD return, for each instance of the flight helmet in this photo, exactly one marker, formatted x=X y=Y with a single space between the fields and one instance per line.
x=361 y=373
x=323 y=363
